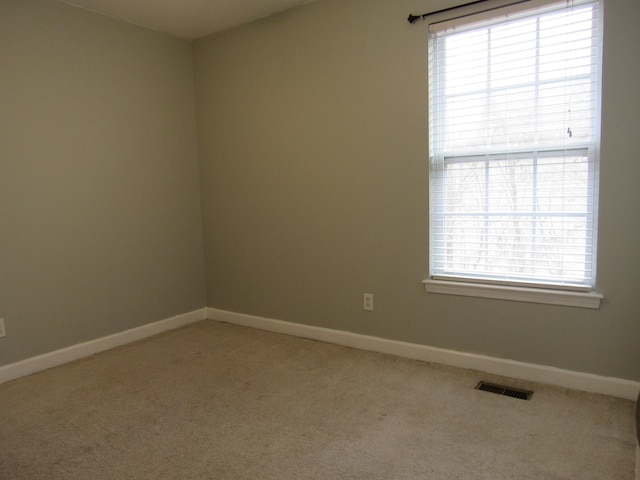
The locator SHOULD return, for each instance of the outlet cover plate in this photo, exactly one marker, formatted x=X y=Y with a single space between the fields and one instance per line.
x=367 y=301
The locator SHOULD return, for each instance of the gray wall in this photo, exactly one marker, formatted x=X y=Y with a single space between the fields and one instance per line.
x=313 y=154
x=100 y=225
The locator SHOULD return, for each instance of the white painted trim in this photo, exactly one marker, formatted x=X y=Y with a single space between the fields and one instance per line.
x=81 y=350
x=522 y=294
x=510 y=368
x=587 y=382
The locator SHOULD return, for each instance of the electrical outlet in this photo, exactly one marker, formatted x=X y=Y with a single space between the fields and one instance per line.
x=2 y=330
x=367 y=301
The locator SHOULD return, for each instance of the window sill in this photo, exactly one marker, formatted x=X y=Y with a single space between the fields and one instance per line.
x=518 y=294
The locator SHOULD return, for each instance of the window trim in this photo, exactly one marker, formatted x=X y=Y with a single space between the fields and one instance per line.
x=549 y=296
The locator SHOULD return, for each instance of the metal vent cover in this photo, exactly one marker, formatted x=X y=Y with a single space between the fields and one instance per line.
x=504 y=390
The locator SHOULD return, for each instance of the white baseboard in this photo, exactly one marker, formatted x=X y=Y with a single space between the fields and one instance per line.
x=587 y=382
x=81 y=350
x=615 y=387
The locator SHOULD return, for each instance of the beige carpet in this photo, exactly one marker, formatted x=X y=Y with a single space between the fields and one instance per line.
x=218 y=401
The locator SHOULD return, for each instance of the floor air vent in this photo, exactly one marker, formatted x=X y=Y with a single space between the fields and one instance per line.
x=502 y=390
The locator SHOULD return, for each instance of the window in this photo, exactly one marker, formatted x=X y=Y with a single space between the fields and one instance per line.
x=513 y=146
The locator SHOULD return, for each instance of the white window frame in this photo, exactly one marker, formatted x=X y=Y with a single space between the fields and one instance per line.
x=548 y=293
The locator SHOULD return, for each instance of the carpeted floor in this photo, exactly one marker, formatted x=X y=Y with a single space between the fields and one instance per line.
x=218 y=401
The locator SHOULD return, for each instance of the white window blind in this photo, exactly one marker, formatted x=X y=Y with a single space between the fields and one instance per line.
x=513 y=137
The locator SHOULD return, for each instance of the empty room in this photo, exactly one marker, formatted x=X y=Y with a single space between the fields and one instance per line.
x=293 y=239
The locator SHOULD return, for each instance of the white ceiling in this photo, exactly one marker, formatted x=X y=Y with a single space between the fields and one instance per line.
x=187 y=18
